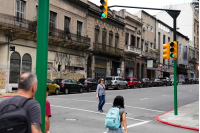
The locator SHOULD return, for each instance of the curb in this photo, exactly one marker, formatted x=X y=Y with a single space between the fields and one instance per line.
x=175 y=125
x=4 y=96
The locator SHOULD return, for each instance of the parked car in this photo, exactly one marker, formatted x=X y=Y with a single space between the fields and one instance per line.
x=156 y=82
x=145 y=82
x=192 y=80
x=187 y=81
x=53 y=87
x=133 y=82
x=196 y=81
x=115 y=82
x=166 y=81
x=69 y=85
x=88 y=83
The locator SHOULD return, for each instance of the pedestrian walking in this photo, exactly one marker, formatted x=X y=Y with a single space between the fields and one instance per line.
x=21 y=113
x=118 y=103
x=48 y=114
x=101 y=94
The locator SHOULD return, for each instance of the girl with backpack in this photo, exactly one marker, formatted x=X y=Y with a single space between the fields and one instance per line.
x=118 y=103
x=101 y=94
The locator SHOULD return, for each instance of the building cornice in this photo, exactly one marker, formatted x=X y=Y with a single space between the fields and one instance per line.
x=132 y=19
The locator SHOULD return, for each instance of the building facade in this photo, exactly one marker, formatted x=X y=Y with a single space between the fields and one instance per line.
x=68 y=41
x=106 y=52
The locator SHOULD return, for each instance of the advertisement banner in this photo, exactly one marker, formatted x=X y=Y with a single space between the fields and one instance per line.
x=149 y=63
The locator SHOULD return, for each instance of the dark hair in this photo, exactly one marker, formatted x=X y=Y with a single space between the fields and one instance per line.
x=100 y=80
x=25 y=82
x=47 y=89
x=118 y=101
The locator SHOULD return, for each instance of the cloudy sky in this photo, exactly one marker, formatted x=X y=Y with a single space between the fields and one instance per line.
x=142 y=3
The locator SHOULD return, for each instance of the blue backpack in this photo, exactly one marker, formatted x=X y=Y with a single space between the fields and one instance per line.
x=113 y=119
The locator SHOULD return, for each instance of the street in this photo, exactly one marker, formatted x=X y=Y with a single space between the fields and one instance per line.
x=77 y=113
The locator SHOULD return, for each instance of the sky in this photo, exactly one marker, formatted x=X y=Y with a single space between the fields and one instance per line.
x=142 y=3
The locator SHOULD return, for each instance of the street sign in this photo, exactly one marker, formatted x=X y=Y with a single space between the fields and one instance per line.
x=198 y=67
x=163 y=66
x=166 y=67
x=118 y=70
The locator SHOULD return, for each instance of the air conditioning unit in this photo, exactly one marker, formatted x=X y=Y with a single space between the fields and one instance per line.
x=144 y=28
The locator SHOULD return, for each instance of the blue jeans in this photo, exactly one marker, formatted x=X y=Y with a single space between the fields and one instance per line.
x=102 y=101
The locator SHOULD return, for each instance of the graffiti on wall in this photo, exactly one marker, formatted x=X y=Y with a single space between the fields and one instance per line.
x=2 y=79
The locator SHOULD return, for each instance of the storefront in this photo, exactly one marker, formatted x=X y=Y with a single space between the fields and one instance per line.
x=100 y=67
x=151 y=69
x=129 y=68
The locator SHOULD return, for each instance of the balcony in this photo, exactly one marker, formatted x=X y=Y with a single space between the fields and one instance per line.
x=192 y=60
x=108 y=50
x=19 y=28
x=149 y=55
x=131 y=50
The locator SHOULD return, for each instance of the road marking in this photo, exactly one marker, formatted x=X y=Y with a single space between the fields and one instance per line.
x=137 y=124
x=144 y=98
x=94 y=112
x=110 y=104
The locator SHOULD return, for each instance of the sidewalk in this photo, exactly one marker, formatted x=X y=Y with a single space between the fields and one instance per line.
x=8 y=94
x=188 y=117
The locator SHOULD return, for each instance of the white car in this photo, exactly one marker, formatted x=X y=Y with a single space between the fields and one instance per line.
x=115 y=82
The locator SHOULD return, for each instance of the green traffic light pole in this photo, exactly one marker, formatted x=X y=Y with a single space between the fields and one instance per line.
x=42 y=54
x=174 y=14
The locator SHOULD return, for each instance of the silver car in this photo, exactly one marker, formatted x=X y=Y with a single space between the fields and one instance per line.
x=115 y=82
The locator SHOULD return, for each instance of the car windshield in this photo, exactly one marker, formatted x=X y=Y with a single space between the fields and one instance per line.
x=57 y=81
x=129 y=79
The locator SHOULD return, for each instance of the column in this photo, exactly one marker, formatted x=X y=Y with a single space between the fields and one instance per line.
x=129 y=39
x=136 y=40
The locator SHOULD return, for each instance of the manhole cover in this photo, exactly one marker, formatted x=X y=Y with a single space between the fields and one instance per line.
x=70 y=119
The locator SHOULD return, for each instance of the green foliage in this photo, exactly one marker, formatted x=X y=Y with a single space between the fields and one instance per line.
x=111 y=50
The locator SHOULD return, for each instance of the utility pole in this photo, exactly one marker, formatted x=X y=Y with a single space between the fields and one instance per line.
x=42 y=54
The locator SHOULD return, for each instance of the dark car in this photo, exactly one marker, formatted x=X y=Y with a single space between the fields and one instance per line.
x=145 y=82
x=133 y=82
x=88 y=83
x=187 y=81
x=69 y=85
x=194 y=80
x=156 y=82
x=166 y=81
x=197 y=80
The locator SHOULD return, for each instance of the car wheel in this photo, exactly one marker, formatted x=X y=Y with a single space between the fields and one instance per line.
x=141 y=86
x=66 y=91
x=81 y=90
x=89 y=89
x=118 y=87
x=57 y=91
x=133 y=86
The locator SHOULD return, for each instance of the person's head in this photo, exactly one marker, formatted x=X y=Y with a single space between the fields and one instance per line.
x=118 y=101
x=101 y=81
x=27 y=84
x=47 y=93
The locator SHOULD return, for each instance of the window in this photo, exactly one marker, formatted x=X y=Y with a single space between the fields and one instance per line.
x=26 y=63
x=142 y=43
x=67 y=24
x=138 y=41
x=163 y=61
x=59 y=67
x=68 y=81
x=36 y=11
x=96 y=35
x=20 y=9
x=148 y=27
x=163 y=39
x=74 y=81
x=15 y=61
x=79 y=28
x=151 y=46
x=52 y=22
x=151 y=28
x=168 y=39
x=127 y=38
x=104 y=33
x=143 y=24
x=49 y=81
x=111 y=39
x=116 y=40
x=132 y=40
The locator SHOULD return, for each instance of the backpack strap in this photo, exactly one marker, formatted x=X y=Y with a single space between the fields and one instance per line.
x=23 y=102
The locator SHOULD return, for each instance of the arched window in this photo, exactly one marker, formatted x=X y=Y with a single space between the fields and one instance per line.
x=15 y=61
x=26 y=63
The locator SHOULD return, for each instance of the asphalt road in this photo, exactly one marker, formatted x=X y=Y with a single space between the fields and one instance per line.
x=77 y=113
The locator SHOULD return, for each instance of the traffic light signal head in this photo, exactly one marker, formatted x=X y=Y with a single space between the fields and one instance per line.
x=166 y=51
x=173 y=50
x=104 y=9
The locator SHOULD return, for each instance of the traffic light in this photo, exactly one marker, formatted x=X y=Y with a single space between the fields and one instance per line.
x=173 y=50
x=166 y=51
x=104 y=8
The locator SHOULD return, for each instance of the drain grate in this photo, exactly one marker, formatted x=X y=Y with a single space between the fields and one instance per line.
x=70 y=119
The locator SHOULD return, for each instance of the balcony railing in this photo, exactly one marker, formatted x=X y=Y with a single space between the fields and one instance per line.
x=20 y=23
x=108 y=50
x=192 y=59
x=149 y=54
x=132 y=49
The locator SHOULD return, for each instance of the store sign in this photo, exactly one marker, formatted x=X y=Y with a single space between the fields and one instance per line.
x=100 y=66
x=150 y=63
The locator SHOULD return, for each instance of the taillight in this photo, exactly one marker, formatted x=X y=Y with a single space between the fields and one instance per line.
x=115 y=81
x=86 y=82
x=145 y=81
x=62 y=84
x=153 y=82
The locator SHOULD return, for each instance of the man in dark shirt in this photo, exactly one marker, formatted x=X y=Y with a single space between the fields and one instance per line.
x=27 y=87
